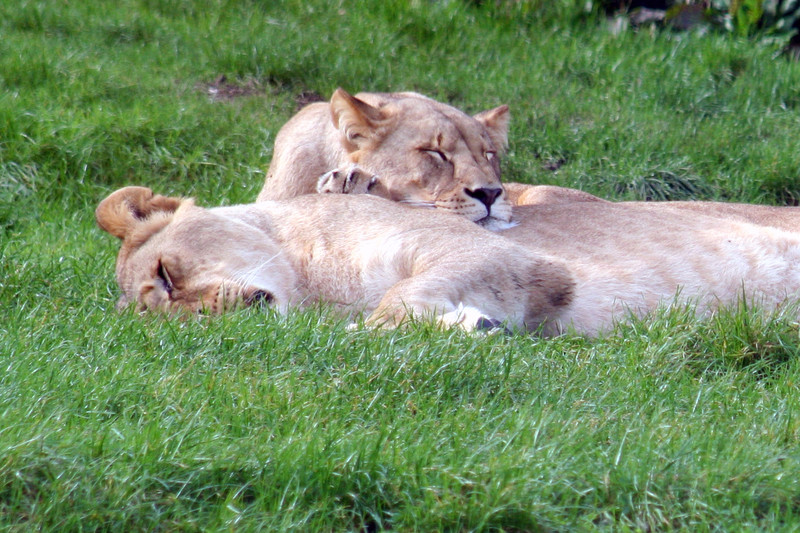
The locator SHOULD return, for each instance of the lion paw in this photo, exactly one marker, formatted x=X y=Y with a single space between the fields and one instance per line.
x=472 y=320
x=349 y=180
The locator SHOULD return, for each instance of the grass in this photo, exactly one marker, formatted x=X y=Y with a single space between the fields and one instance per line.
x=252 y=421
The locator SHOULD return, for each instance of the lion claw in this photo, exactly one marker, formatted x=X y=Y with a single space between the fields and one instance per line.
x=348 y=180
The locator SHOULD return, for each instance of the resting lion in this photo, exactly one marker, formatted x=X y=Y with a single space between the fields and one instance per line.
x=423 y=153
x=571 y=266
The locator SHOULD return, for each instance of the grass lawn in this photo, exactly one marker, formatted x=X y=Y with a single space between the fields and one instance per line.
x=251 y=421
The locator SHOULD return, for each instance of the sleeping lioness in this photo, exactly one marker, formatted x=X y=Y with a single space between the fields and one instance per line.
x=425 y=153
x=176 y=255
x=422 y=152
x=563 y=266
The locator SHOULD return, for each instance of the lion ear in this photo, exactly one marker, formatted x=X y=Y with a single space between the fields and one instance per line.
x=126 y=208
x=496 y=122
x=358 y=121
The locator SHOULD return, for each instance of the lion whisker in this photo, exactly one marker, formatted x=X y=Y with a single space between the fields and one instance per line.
x=246 y=277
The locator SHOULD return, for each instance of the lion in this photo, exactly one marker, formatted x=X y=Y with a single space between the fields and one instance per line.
x=565 y=267
x=177 y=255
x=421 y=152
x=409 y=148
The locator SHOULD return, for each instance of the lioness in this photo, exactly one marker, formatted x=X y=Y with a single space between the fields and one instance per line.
x=563 y=266
x=340 y=250
x=423 y=153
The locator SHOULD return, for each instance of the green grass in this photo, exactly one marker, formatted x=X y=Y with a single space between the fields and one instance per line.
x=251 y=421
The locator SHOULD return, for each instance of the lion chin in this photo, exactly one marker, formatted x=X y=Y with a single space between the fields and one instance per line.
x=576 y=266
x=496 y=224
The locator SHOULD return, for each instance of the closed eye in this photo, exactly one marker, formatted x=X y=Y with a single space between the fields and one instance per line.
x=435 y=153
x=165 y=278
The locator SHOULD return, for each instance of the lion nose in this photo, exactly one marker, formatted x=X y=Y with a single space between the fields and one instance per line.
x=485 y=195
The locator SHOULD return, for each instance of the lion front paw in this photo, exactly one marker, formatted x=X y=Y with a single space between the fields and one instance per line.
x=349 y=180
x=472 y=320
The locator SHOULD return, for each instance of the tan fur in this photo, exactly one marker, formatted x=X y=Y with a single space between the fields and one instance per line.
x=523 y=194
x=786 y=218
x=578 y=265
x=423 y=152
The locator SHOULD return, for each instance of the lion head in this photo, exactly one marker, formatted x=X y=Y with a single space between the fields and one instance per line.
x=178 y=256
